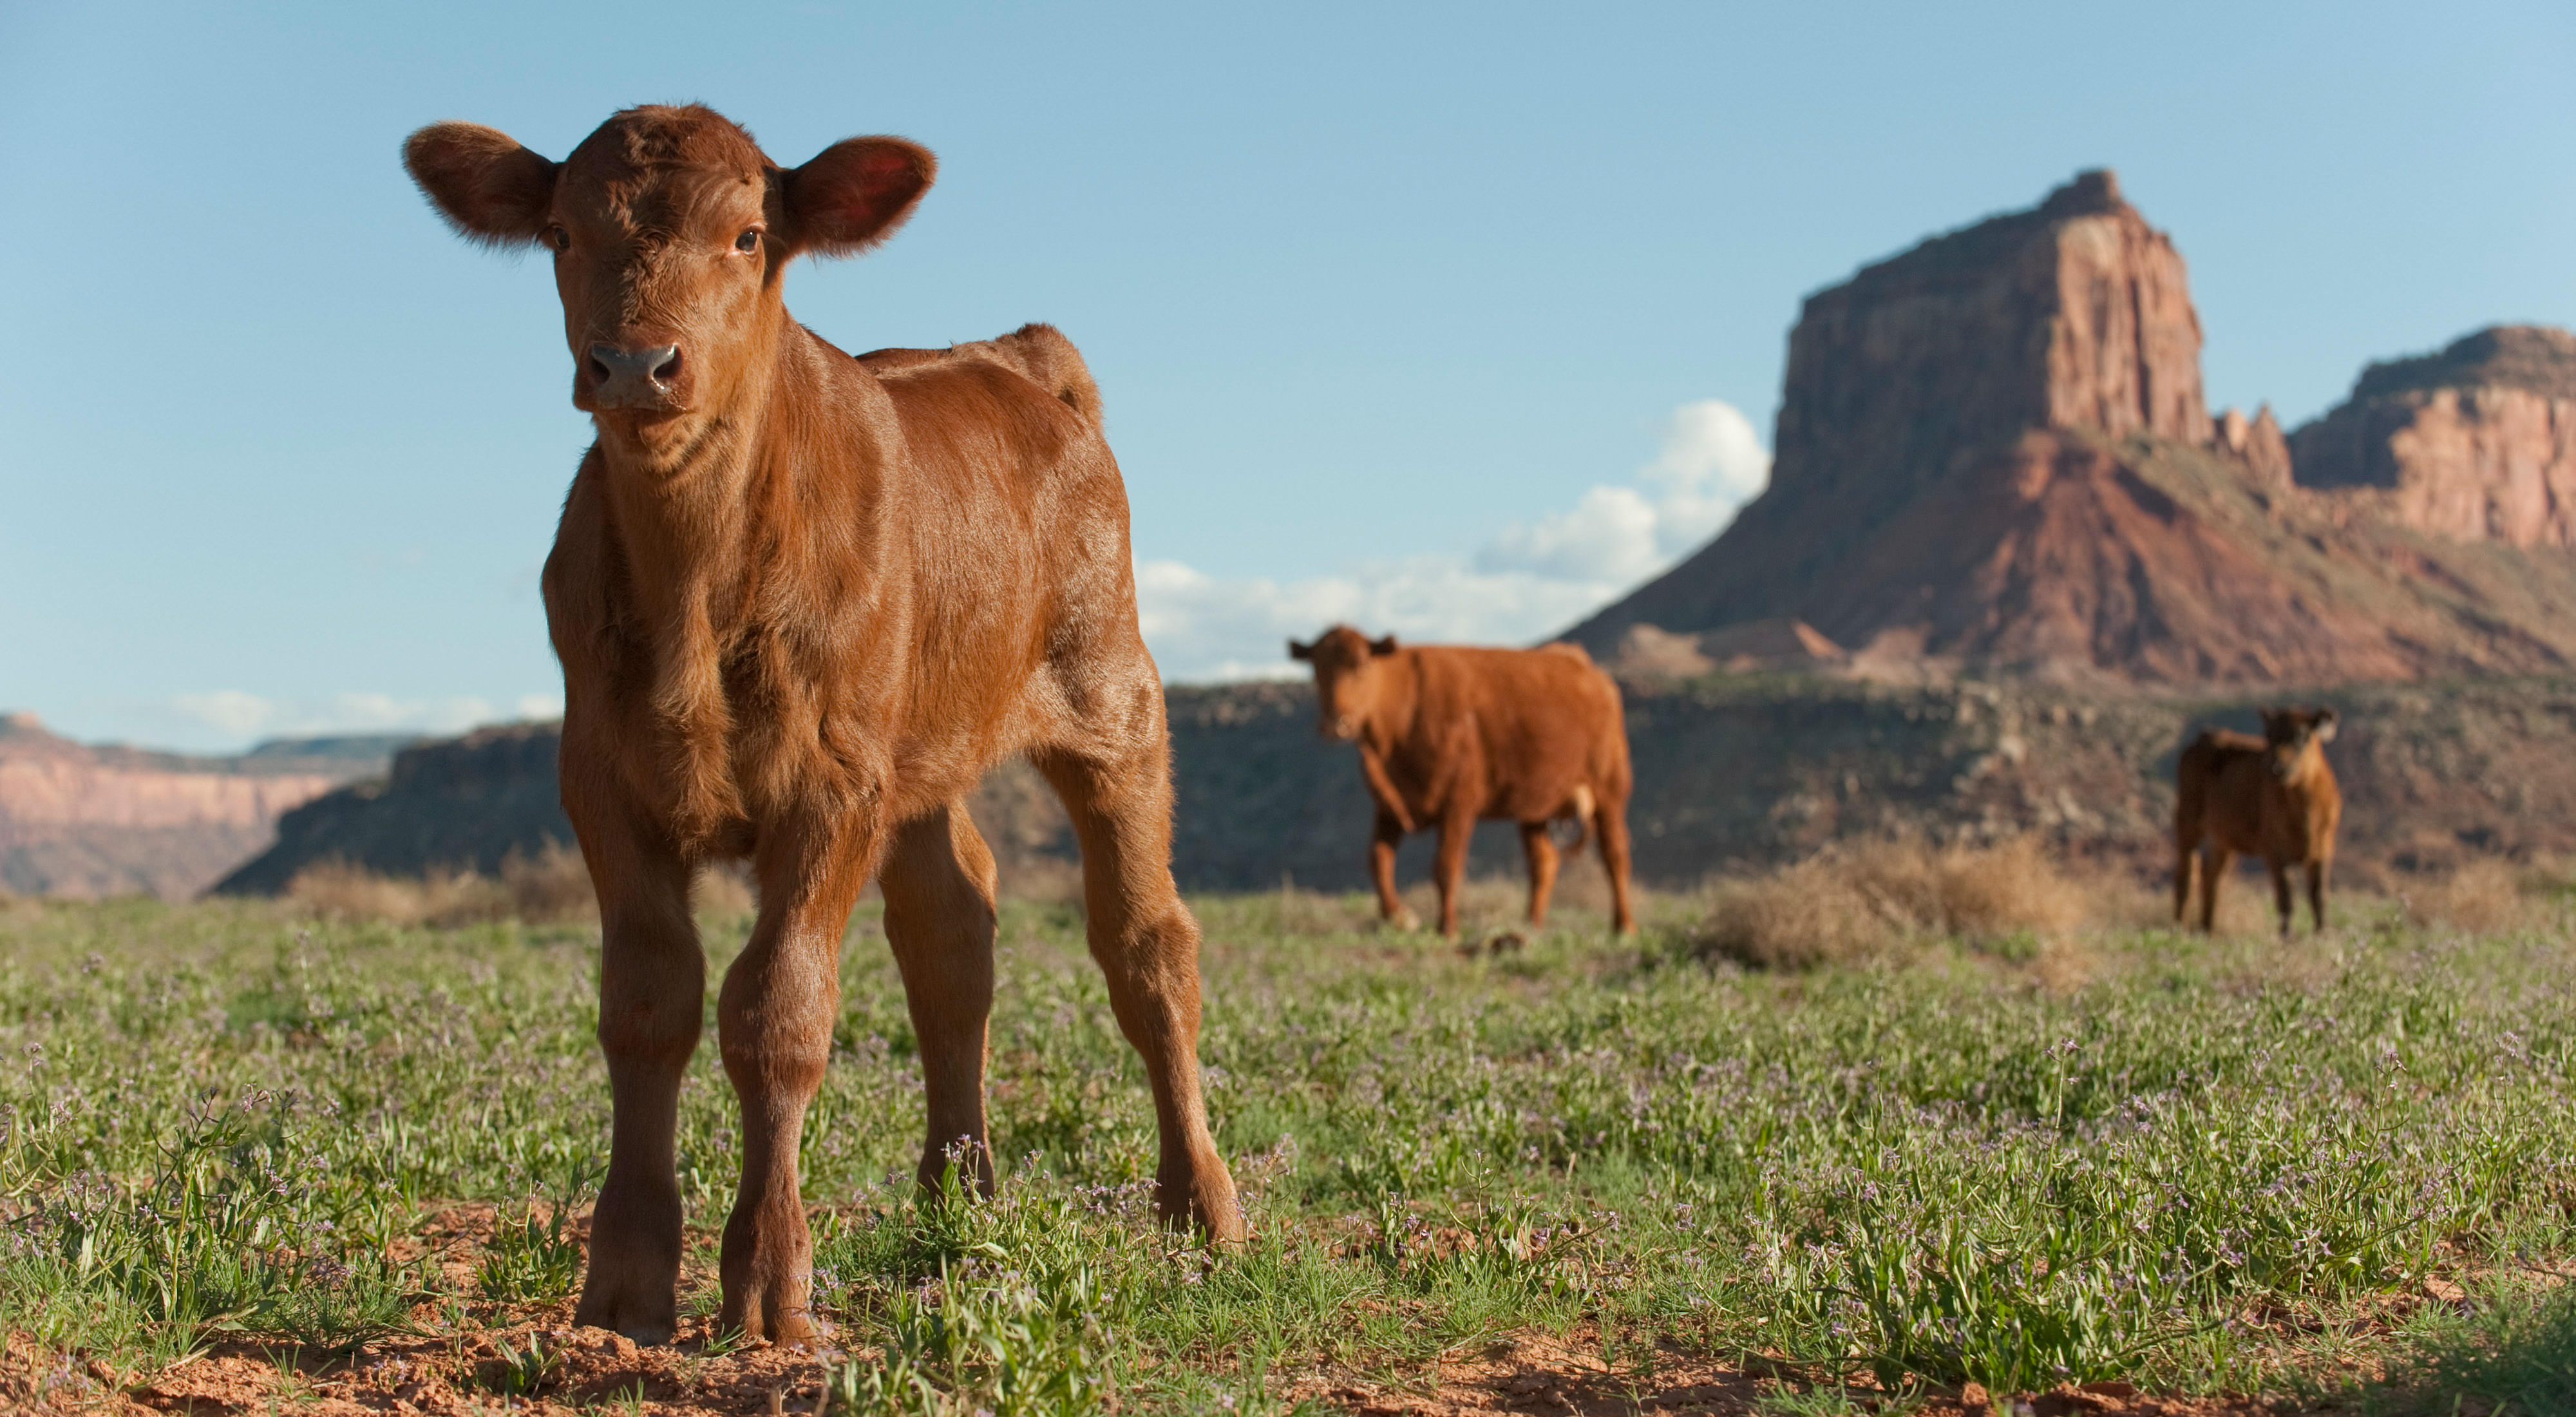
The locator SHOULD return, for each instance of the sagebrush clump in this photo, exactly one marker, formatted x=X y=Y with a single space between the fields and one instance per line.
x=1850 y=904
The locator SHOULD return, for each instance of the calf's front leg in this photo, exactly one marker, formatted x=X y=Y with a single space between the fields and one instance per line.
x=1385 y=836
x=652 y=989
x=774 y=1025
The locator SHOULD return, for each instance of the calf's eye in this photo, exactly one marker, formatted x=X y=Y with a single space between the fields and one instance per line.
x=748 y=242
x=558 y=238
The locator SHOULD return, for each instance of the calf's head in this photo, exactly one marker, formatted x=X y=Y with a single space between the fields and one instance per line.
x=1347 y=677
x=2294 y=739
x=670 y=230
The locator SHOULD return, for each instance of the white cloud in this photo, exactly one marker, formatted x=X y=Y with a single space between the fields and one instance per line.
x=1530 y=579
x=245 y=715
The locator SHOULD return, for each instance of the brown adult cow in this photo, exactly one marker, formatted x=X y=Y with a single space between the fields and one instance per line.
x=2272 y=797
x=803 y=601
x=1450 y=735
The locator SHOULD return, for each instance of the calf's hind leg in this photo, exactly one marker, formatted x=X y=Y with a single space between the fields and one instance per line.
x=1148 y=948
x=2215 y=860
x=2317 y=893
x=938 y=881
x=1540 y=848
x=652 y=992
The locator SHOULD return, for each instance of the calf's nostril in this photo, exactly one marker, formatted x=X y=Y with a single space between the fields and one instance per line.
x=668 y=368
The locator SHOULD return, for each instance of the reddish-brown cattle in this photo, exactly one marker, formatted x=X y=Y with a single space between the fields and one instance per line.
x=1451 y=735
x=803 y=601
x=2272 y=797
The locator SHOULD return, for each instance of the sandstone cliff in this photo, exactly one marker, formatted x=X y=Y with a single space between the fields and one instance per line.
x=2475 y=443
x=1994 y=456
x=89 y=821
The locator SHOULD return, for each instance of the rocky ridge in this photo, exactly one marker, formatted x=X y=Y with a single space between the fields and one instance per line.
x=78 y=820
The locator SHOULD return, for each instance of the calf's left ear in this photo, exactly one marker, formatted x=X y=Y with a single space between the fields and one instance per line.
x=855 y=193
x=488 y=187
x=2325 y=725
x=1385 y=645
x=1299 y=650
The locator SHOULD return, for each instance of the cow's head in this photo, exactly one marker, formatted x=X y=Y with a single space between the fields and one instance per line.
x=1346 y=677
x=669 y=230
x=2294 y=739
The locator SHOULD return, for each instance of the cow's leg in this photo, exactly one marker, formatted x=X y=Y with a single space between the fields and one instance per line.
x=1540 y=848
x=2280 y=891
x=1610 y=828
x=1384 y=837
x=2215 y=862
x=939 y=917
x=2183 y=853
x=2317 y=892
x=1148 y=947
x=652 y=991
x=774 y=1024
x=1449 y=867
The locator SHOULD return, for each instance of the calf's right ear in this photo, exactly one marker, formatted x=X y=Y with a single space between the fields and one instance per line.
x=487 y=186
x=1297 y=650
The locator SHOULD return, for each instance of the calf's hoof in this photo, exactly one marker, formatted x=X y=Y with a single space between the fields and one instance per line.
x=637 y=1311
x=1405 y=920
x=1203 y=1201
x=781 y=1316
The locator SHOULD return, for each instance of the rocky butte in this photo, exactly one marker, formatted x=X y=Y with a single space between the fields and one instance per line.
x=1994 y=455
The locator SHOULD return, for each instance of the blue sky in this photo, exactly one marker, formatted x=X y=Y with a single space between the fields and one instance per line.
x=1455 y=319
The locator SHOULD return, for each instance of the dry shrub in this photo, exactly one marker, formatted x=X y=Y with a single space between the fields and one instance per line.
x=1847 y=905
x=552 y=885
x=2484 y=895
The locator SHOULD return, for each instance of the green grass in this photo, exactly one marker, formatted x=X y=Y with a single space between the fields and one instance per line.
x=2201 y=1166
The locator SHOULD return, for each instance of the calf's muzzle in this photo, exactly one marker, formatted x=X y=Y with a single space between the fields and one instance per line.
x=646 y=377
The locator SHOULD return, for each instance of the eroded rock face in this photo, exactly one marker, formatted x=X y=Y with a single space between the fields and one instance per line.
x=85 y=821
x=2475 y=443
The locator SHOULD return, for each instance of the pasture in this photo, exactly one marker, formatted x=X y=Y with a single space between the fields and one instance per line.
x=257 y=1159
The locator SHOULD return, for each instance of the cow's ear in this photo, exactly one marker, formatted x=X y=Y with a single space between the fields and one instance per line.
x=1299 y=650
x=488 y=187
x=2325 y=725
x=855 y=193
x=1384 y=645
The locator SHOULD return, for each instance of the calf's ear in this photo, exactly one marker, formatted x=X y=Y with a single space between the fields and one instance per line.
x=1299 y=650
x=1382 y=646
x=2325 y=725
x=487 y=186
x=855 y=193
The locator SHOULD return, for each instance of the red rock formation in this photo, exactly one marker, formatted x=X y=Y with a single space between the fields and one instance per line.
x=2254 y=444
x=2476 y=443
x=1993 y=455
x=83 y=821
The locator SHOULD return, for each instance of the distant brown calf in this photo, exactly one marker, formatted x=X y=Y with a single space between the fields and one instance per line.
x=2272 y=797
x=1450 y=735
x=803 y=601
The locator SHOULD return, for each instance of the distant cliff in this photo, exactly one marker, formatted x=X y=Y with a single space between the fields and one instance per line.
x=2475 y=443
x=1994 y=457
x=85 y=821
x=1730 y=769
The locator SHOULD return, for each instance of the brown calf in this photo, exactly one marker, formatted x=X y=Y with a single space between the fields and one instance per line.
x=1449 y=735
x=803 y=601
x=2272 y=797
